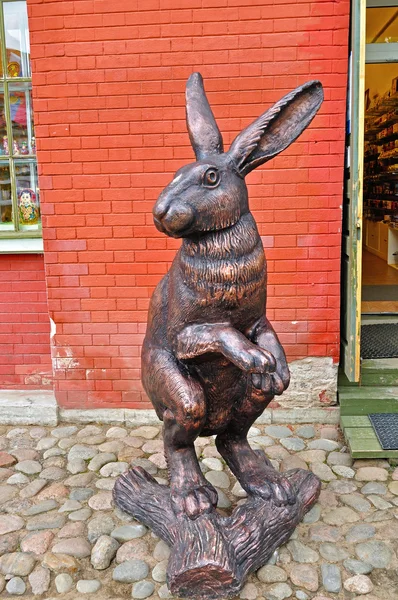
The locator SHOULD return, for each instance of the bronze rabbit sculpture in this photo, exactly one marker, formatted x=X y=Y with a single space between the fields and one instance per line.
x=211 y=361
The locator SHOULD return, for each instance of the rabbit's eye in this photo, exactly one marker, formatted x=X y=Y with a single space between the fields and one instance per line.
x=211 y=178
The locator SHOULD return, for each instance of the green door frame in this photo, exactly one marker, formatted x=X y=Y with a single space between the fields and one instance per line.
x=352 y=228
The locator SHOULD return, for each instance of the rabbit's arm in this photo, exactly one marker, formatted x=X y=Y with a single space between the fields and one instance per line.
x=265 y=337
x=195 y=340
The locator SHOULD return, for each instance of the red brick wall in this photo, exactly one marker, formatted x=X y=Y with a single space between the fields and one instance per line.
x=109 y=81
x=25 y=325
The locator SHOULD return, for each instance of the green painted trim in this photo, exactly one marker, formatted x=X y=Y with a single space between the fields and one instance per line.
x=360 y=453
x=352 y=242
x=343 y=381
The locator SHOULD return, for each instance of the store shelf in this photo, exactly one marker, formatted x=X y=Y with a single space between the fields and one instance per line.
x=389 y=155
x=380 y=193
x=388 y=138
x=385 y=175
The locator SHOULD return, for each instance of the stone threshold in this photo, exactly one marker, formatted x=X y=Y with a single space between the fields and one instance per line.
x=28 y=407
x=38 y=407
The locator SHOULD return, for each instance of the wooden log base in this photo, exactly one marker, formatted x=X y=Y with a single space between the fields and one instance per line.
x=212 y=555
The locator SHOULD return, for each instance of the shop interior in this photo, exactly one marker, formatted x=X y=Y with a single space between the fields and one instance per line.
x=368 y=384
x=380 y=186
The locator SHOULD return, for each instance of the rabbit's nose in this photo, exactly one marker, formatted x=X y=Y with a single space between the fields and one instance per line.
x=178 y=219
x=160 y=209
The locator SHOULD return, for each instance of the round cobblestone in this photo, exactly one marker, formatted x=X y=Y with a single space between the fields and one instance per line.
x=331 y=578
x=359 y=584
x=29 y=467
x=142 y=589
x=305 y=576
x=306 y=431
x=357 y=567
x=218 y=479
x=88 y=586
x=294 y=444
x=17 y=563
x=271 y=574
x=377 y=553
x=16 y=586
x=159 y=571
x=130 y=571
x=63 y=583
x=278 y=431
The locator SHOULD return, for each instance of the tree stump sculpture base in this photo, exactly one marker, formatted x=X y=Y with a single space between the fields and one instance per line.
x=212 y=555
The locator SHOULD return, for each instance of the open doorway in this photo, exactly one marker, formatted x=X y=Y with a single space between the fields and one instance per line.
x=369 y=290
x=380 y=189
x=379 y=306
x=368 y=382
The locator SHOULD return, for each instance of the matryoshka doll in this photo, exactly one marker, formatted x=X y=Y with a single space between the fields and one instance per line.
x=24 y=148
x=28 y=207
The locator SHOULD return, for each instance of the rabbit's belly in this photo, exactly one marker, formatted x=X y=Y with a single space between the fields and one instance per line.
x=225 y=387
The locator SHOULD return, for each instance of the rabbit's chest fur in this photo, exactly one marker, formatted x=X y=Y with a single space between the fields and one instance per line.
x=223 y=271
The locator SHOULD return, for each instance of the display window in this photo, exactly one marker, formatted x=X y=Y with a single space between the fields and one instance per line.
x=19 y=189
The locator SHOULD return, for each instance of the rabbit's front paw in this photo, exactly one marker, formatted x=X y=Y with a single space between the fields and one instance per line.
x=270 y=383
x=250 y=358
x=193 y=500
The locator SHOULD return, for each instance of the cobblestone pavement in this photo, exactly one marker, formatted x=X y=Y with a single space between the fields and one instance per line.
x=60 y=536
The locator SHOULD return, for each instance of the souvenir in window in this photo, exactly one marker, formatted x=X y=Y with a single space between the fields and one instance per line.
x=28 y=206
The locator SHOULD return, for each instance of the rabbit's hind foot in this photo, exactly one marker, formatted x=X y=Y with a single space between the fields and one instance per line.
x=269 y=484
x=193 y=500
x=254 y=470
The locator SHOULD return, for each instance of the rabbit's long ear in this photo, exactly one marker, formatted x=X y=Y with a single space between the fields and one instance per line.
x=277 y=128
x=202 y=127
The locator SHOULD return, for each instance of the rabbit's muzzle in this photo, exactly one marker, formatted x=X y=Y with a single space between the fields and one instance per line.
x=174 y=219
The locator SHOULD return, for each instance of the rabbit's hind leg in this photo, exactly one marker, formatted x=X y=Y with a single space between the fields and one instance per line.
x=180 y=402
x=253 y=470
x=191 y=493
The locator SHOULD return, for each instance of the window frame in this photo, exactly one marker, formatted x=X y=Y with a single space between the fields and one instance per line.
x=11 y=160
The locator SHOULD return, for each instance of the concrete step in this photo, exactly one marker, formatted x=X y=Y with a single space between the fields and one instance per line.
x=380 y=372
x=28 y=407
x=364 y=400
x=362 y=440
